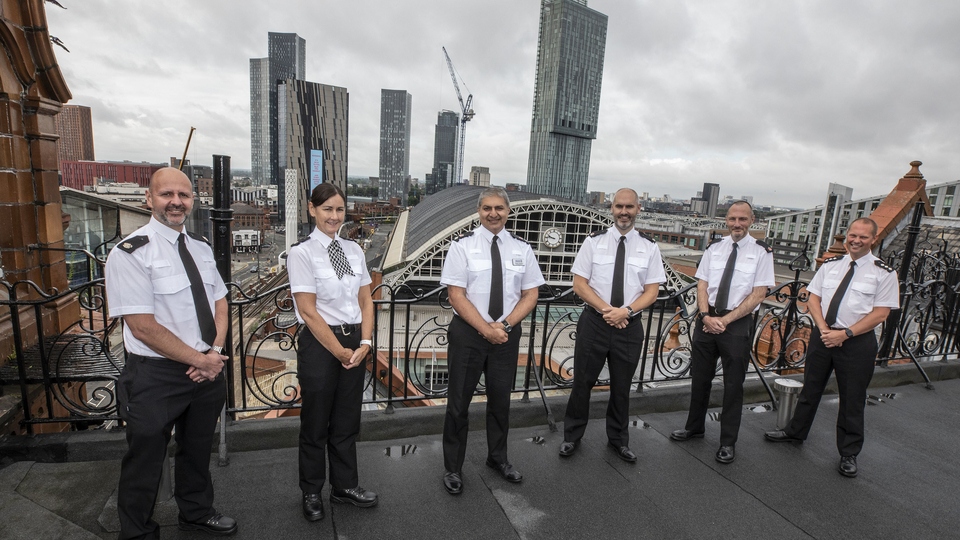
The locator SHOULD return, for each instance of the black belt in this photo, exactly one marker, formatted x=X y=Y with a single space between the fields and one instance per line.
x=344 y=329
x=141 y=357
x=714 y=312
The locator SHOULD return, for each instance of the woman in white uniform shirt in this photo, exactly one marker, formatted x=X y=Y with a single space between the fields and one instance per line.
x=331 y=293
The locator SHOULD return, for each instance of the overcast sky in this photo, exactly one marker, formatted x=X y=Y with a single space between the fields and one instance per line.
x=769 y=99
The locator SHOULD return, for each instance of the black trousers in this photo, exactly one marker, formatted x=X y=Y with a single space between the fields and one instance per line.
x=330 y=414
x=468 y=357
x=154 y=395
x=733 y=349
x=853 y=363
x=599 y=343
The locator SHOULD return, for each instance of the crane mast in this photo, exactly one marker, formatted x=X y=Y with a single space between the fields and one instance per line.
x=466 y=114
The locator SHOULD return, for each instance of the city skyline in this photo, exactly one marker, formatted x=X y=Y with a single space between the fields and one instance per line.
x=774 y=102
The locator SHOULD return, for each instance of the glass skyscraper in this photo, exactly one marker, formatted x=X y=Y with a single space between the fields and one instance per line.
x=566 y=98
x=444 y=152
x=395 y=115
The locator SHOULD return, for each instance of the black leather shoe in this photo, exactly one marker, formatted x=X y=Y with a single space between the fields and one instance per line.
x=685 y=435
x=356 y=496
x=624 y=453
x=453 y=483
x=217 y=525
x=726 y=454
x=848 y=466
x=312 y=507
x=780 y=435
x=568 y=448
x=506 y=470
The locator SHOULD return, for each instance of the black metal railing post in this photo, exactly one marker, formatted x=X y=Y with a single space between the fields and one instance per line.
x=222 y=215
x=891 y=327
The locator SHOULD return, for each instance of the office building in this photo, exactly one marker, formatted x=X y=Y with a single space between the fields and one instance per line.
x=286 y=59
x=566 y=97
x=480 y=176
x=395 y=109
x=444 y=153
x=74 y=125
x=313 y=138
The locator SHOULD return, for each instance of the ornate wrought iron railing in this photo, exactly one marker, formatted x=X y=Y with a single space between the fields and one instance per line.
x=68 y=376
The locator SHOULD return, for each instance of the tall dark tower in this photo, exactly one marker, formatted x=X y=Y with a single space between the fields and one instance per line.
x=566 y=97
x=288 y=56
x=444 y=152
x=395 y=109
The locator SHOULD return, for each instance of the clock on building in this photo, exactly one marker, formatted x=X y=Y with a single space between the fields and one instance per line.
x=552 y=238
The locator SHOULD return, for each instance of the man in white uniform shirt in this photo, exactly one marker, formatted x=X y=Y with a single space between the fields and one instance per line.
x=165 y=285
x=735 y=274
x=849 y=297
x=617 y=273
x=490 y=299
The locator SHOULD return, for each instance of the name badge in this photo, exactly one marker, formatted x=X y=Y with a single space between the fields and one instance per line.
x=517 y=261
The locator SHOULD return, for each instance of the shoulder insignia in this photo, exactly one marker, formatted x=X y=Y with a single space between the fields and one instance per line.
x=833 y=259
x=765 y=246
x=198 y=237
x=595 y=234
x=647 y=237
x=883 y=265
x=517 y=238
x=714 y=241
x=300 y=242
x=133 y=243
x=463 y=235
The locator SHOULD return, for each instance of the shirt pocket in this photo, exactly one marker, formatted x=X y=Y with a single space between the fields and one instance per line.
x=478 y=275
x=328 y=286
x=636 y=270
x=170 y=284
x=355 y=264
x=601 y=272
x=861 y=296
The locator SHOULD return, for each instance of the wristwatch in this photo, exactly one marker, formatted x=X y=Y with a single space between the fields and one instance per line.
x=848 y=332
x=367 y=342
x=506 y=326
x=630 y=312
x=217 y=348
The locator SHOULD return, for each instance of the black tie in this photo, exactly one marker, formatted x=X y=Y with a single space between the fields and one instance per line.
x=208 y=328
x=723 y=291
x=495 y=309
x=339 y=260
x=616 y=294
x=831 y=317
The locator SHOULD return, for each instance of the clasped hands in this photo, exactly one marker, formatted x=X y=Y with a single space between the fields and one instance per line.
x=494 y=333
x=209 y=369
x=351 y=358
x=713 y=325
x=618 y=318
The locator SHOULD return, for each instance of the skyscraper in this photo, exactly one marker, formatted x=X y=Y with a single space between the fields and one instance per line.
x=312 y=124
x=286 y=59
x=711 y=194
x=395 y=109
x=75 y=127
x=444 y=152
x=566 y=97
x=260 y=120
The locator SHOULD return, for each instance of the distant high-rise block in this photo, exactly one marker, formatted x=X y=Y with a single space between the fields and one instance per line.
x=313 y=138
x=480 y=176
x=444 y=153
x=286 y=59
x=566 y=97
x=75 y=127
x=260 y=85
x=395 y=116
x=711 y=194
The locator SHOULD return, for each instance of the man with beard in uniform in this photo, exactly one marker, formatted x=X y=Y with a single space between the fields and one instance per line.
x=735 y=274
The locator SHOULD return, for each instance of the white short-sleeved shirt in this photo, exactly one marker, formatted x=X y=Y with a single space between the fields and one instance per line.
x=148 y=277
x=598 y=255
x=754 y=268
x=468 y=265
x=310 y=271
x=871 y=286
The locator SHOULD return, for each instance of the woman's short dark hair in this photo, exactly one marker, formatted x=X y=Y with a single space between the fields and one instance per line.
x=325 y=191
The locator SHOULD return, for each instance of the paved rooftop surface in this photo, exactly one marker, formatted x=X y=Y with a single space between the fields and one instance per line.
x=907 y=488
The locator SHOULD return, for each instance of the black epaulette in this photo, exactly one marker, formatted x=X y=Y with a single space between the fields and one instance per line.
x=881 y=264
x=714 y=241
x=646 y=237
x=198 y=237
x=517 y=238
x=765 y=246
x=462 y=235
x=832 y=259
x=134 y=243
x=300 y=242
x=595 y=234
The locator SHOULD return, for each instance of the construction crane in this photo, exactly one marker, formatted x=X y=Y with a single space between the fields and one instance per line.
x=466 y=114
